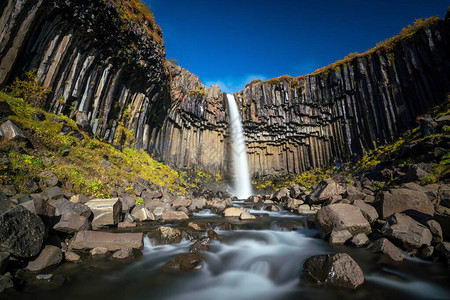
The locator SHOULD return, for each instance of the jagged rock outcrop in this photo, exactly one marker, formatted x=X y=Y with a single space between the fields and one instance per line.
x=94 y=60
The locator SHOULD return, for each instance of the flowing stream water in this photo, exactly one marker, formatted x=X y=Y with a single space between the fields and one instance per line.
x=242 y=185
x=258 y=259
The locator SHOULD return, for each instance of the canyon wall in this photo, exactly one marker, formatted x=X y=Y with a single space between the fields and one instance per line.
x=94 y=59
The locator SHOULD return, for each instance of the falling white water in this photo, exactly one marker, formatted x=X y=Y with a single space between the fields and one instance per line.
x=242 y=185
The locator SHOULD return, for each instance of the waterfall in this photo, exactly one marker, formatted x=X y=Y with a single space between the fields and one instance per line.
x=242 y=186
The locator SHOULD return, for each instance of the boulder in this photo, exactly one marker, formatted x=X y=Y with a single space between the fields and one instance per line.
x=390 y=254
x=83 y=121
x=71 y=223
x=197 y=204
x=360 y=240
x=369 y=212
x=352 y=193
x=184 y=262
x=9 y=190
x=325 y=189
x=106 y=211
x=181 y=202
x=293 y=204
x=197 y=226
x=426 y=252
x=442 y=215
x=409 y=233
x=410 y=202
x=21 y=232
x=232 y=212
x=214 y=235
x=48 y=179
x=72 y=257
x=200 y=245
x=415 y=173
x=436 y=230
x=85 y=240
x=337 y=217
x=166 y=235
x=4 y=259
x=444 y=249
x=281 y=195
x=49 y=256
x=246 y=216
x=141 y=213
x=295 y=191
x=5 y=283
x=5 y=203
x=334 y=270
x=305 y=209
x=174 y=215
x=126 y=256
x=99 y=252
x=127 y=203
x=63 y=206
x=10 y=132
x=53 y=193
x=41 y=208
x=339 y=237
x=82 y=199
x=255 y=199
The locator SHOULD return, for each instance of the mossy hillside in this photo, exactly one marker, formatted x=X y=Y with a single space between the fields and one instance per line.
x=83 y=168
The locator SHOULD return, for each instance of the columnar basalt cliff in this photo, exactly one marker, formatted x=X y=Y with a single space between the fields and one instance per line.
x=294 y=124
x=93 y=57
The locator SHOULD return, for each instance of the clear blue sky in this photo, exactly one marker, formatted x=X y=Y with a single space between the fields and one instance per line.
x=231 y=42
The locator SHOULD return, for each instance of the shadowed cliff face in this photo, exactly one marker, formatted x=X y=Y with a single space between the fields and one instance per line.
x=92 y=59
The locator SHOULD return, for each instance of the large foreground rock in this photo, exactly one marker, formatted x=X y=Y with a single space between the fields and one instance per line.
x=85 y=240
x=338 y=217
x=407 y=232
x=49 y=256
x=106 y=211
x=405 y=201
x=21 y=232
x=390 y=254
x=325 y=190
x=335 y=270
x=41 y=208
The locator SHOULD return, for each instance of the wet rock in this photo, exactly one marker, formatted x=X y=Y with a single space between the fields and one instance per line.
x=141 y=213
x=337 y=217
x=125 y=256
x=166 y=235
x=99 y=252
x=232 y=212
x=4 y=259
x=369 y=212
x=5 y=283
x=44 y=277
x=85 y=240
x=359 y=240
x=426 y=252
x=443 y=249
x=184 y=262
x=436 y=230
x=49 y=256
x=106 y=211
x=246 y=216
x=71 y=223
x=126 y=224
x=324 y=190
x=334 y=270
x=413 y=203
x=200 y=245
x=21 y=232
x=213 y=235
x=390 y=254
x=339 y=237
x=407 y=232
x=72 y=257
x=169 y=215
x=197 y=226
x=54 y=193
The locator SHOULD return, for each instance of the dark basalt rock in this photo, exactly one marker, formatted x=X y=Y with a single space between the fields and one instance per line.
x=21 y=232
